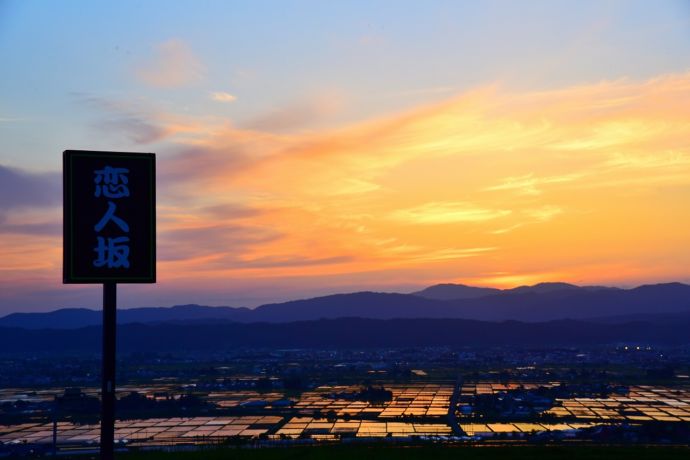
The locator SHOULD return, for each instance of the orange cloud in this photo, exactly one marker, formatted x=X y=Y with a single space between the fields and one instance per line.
x=531 y=175
x=587 y=184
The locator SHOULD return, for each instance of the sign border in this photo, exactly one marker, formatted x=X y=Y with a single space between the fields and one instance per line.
x=68 y=219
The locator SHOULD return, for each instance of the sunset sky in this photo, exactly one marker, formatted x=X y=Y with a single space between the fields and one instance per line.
x=313 y=147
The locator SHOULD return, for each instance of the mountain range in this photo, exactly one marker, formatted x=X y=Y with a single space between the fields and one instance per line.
x=540 y=303
x=359 y=333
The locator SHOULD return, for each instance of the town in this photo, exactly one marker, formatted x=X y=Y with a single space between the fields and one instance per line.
x=608 y=394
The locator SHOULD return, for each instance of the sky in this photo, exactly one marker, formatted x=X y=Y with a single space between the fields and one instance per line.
x=309 y=147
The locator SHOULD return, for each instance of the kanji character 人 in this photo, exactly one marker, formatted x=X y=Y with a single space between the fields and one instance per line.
x=110 y=215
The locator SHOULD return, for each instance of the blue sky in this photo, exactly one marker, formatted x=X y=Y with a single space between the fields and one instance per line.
x=379 y=57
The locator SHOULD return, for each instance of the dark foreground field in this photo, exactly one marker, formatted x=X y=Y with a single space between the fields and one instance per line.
x=342 y=452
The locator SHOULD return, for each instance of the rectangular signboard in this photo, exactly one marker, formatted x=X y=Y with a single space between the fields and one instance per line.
x=109 y=228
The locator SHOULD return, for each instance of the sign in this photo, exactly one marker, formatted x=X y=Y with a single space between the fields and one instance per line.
x=109 y=228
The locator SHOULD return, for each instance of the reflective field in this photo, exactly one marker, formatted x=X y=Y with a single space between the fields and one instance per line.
x=332 y=412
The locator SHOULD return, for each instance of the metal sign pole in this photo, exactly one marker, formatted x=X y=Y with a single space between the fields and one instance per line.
x=108 y=376
x=109 y=237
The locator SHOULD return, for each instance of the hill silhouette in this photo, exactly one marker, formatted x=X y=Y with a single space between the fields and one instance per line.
x=538 y=303
x=346 y=333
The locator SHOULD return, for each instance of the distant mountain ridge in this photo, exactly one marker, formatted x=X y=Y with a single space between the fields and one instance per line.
x=71 y=318
x=449 y=291
x=538 y=303
x=344 y=333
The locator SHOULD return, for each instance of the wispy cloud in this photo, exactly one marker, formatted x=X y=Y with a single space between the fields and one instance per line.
x=125 y=119
x=139 y=121
x=528 y=184
x=350 y=186
x=614 y=133
x=48 y=228
x=434 y=90
x=420 y=255
x=544 y=213
x=297 y=115
x=173 y=64
x=508 y=229
x=285 y=261
x=214 y=241
x=530 y=216
x=222 y=96
x=447 y=212
x=25 y=189
x=665 y=159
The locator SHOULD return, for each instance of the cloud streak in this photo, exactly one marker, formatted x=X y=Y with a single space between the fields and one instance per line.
x=447 y=212
x=124 y=119
x=298 y=115
x=172 y=65
x=222 y=96
x=22 y=189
